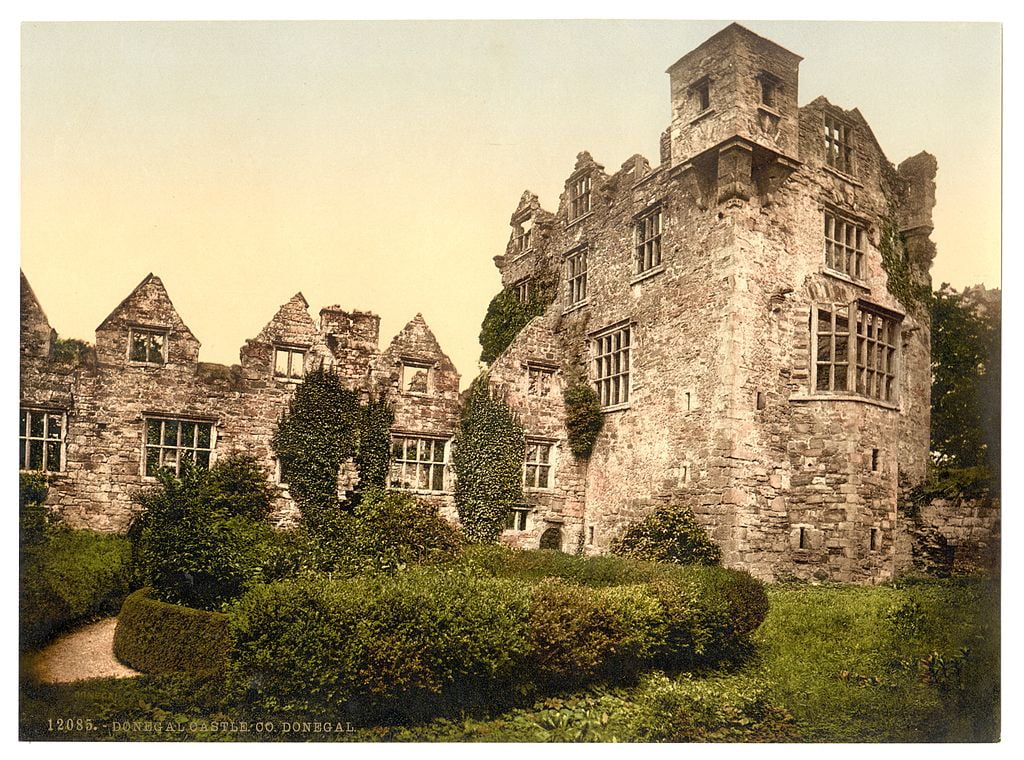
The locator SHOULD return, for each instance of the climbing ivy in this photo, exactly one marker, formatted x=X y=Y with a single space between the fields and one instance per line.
x=316 y=434
x=583 y=418
x=487 y=455
x=374 y=450
x=895 y=260
x=507 y=315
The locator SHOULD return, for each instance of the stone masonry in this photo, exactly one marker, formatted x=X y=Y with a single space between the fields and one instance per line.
x=142 y=398
x=731 y=304
x=744 y=308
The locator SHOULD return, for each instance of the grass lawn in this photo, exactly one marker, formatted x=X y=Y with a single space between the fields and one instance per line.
x=913 y=662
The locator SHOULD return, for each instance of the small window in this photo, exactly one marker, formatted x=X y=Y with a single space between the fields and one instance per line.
x=803 y=538
x=875 y=463
x=759 y=401
x=838 y=149
x=539 y=380
x=416 y=378
x=41 y=440
x=147 y=346
x=590 y=535
x=576 y=276
x=516 y=519
x=522 y=237
x=612 y=359
x=522 y=290
x=647 y=241
x=870 y=350
x=418 y=463
x=579 y=196
x=873 y=540
x=289 y=362
x=769 y=89
x=537 y=465
x=702 y=95
x=844 y=246
x=170 y=442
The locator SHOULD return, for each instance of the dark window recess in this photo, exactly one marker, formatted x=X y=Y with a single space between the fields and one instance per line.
x=760 y=400
x=874 y=460
x=803 y=538
x=769 y=90
x=551 y=539
x=702 y=94
x=516 y=519
x=874 y=539
x=590 y=535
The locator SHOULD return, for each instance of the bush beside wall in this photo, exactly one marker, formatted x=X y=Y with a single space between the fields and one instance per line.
x=433 y=639
x=69 y=577
x=157 y=637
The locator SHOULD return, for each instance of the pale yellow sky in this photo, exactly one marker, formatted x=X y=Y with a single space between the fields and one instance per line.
x=376 y=164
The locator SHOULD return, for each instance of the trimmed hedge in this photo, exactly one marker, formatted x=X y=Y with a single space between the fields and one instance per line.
x=157 y=637
x=69 y=577
x=435 y=639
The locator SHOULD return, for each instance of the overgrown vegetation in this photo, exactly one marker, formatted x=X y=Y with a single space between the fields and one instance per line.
x=583 y=418
x=669 y=534
x=507 y=315
x=487 y=455
x=201 y=539
x=901 y=663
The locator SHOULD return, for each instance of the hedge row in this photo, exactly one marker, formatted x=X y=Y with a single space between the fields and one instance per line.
x=157 y=637
x=434 y=639
x=68 y=577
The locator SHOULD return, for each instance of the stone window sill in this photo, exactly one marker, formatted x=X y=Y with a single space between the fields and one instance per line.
x=845 y=278
x=842 y=175
x=769 y=110
x=575 y=307
x=847 y=397
x=702 y=115
x=647 y=274
x=573 y=222
x=616 y=408
x=289 y=380
x=520 y=255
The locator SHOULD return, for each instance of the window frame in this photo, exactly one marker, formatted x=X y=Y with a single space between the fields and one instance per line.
x=539 y=369
x=581 y=187
x=25 y=439
x=839 y=138
x=576 y=276
x=539 y=464
x=162 y=332
x=518 y=517
x=522 y=237
x=604 y=361
x=160 y=446
x=432 y=464
x=648 y=246
x=701 y=91
x=864 y=369
x=292 y=350
x=426 y=366
x=522 y=288
x=833 y=246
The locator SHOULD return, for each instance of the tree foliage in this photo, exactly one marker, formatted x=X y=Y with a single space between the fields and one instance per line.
x=966 y=341
x=669 y=534
x=487 y=455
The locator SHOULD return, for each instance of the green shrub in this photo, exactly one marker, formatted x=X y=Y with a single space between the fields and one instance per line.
x=669 y=534
x=32 y=490
x=406 y=644
x=394 y=529
x=195 y=542
x=156 y=637
x=583 y=418
x=69 y=577
x=487 y=455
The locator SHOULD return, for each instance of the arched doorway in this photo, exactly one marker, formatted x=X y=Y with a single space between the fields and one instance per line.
x=551 y=538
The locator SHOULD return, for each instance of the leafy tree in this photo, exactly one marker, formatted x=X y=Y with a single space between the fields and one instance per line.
x=966 y=341
x=487 y=454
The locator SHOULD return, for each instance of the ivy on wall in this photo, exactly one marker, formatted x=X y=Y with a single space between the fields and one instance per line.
x=374 y=450
x=915 y=297
x=487 y=455
x=316 y=434
x=583 y=418
x=507 y=315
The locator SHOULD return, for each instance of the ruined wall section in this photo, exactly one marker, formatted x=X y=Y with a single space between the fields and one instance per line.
x=531 y=376
x=422 y=384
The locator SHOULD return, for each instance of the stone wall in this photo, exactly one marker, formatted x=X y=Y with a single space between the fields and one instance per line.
x=112 y=396
x=972 y=527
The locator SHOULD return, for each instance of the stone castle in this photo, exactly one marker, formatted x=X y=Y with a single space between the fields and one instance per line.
x=745 y=309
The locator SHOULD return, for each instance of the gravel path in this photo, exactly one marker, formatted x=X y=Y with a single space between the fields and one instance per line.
x=87 y=652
